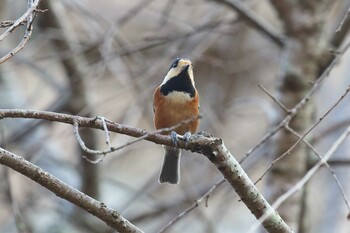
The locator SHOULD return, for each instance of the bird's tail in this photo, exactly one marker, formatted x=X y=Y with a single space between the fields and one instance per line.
x=171 y=166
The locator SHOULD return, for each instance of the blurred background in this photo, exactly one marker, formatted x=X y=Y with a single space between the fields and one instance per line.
x=105 y=58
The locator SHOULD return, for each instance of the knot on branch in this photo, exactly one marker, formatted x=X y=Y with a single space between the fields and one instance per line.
x=204 y=143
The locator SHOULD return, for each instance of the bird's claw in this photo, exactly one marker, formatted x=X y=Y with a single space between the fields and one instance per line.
x=186 y=138
x=173 y=136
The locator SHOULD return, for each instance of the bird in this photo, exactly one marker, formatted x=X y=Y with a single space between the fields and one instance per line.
x=176 y=103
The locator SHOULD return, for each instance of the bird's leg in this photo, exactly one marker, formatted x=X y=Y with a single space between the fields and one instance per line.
x=173 y=136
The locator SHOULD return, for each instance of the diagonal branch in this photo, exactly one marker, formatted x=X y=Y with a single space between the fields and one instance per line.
x=343 y=21
x=20 y=20
x=196 y=203
x=254 y=20
x=308 y=175
x=313 y=170
x=28 y=16
x=9 y=23
x=63 y=190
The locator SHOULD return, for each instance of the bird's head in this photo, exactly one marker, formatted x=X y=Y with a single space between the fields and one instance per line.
x=180 y=68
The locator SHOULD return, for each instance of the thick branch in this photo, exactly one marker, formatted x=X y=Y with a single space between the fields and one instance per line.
x=213 y=148
x=217 y=153
x=63 y=190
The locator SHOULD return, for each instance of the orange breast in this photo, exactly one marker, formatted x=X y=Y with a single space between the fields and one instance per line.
x=172 y=109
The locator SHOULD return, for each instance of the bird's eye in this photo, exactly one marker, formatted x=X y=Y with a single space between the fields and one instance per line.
x=175 y=63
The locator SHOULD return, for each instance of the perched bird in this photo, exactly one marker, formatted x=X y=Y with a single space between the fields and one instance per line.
x=176 y=102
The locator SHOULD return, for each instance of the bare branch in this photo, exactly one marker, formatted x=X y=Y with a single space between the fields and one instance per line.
x=20 y=20
x=254 y=20
x=108 y=142
x=239 y=180
x=314 y=169
x=63 y=190
x=193 y=206
x=267 y=136
x=307 y=176
x=314 y=125
x=9 y=23
x=326 y=164
x=213 y=148
x=28 y=16
x=84 y=147
x=112 y=148
x=343 y=21
x=284 y=108
x=288 y=152
x=298 y=107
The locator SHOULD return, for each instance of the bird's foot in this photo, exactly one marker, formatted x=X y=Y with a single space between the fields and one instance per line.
x=173 y=136
x=186 y=138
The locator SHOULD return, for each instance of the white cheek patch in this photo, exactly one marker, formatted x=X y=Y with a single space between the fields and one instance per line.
x=172 y=73
x=178 y=97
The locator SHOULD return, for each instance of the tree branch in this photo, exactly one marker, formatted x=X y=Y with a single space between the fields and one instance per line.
x=213 y=148
x=63 y=190
x=28 y=16
x=9 y=23
x=254 y=20
x=196 y=203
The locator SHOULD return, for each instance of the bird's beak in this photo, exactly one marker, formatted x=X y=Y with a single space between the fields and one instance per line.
x=185 y=67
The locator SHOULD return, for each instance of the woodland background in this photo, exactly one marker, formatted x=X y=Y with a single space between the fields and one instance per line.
x=105 y=58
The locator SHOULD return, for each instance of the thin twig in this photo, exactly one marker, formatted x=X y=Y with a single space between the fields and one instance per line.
x=20 y=20
x=305 y=134
x=108 y=142
x=196 y=203
x=284 y=108
x=298 y=107
x=29 y=15
x=326 y=164
x=253 y=19
x=266 y=137
x=159 y=131
x=313 y=170
x=343 y=20
x=85 y=148
x=305 y=179
x=80 y=140
x=111 y=148
x=9 y=23
x=292 y=113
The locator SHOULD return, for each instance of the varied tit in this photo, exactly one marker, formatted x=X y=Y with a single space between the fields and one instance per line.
x=175 y=101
